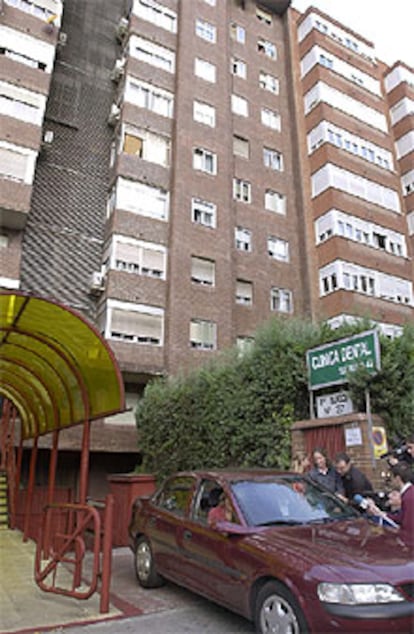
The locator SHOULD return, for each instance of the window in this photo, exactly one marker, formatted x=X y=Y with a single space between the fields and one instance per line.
x=176 y=495
x=205 y=30
x=21 y=104
x=212 y=3
x=274 y=201
x=204 y=161
x=281 y=300
x=239 y=105
x=263 y=16
x=244 y=344
x=278 y=249
x=269 y=82
x=203 y=334
x=240 y=146
x=205 y=70
x=331 y=175
x=151 y=53
x=237 y=33
x=17 y=163
x=156 y=13
x=244 y=293
x=202 y=271
x=135 y=323
x=142 y=258
x=270 y=119
x=28 y=6
x=27 y=50
x=273 y=159
x=203 y=212
x=204 y=113
x=242 y=190
x=243 y=239
x=238 y=68
x=149 y=96
x=146 y=145
x=267 y=48
x=139 y=198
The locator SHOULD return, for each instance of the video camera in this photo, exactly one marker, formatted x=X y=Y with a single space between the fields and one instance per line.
x=397 y=452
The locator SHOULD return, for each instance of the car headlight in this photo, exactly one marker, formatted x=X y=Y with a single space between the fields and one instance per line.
x=358 y=593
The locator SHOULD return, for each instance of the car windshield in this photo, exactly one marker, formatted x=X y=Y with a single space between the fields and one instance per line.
x=287 y=500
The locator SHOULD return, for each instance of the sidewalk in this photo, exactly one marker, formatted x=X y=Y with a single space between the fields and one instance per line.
x=25 y=608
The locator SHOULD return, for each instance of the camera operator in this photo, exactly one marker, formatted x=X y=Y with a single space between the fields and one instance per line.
x=404 y=453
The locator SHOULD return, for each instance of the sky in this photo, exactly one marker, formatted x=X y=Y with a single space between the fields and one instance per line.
x=388 y=24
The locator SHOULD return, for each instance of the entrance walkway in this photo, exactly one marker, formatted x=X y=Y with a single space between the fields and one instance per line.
x=25 y=608
x=23 y=605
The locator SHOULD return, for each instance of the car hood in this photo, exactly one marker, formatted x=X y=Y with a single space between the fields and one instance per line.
x=353 y=550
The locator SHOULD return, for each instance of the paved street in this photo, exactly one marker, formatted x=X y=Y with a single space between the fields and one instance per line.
x=166 y=610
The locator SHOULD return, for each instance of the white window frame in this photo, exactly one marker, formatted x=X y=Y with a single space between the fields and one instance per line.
x=270 y=119
x=141 y=252
x=242 y=190
x=273 y=159
x=149 y=97
x=203 y=212
x=203 y=271
x=199 y=328
x=238 y=33
x=278 y=249
x=205 y=70
x=206 y=31
x=146 y=311
x=244 y=292
x=241 y=146
x=275 y=201
x=204 y=113
x=269 y=82
x=150 y=53
x=269 y=49
x=281 y=300
x=239 y=105
x=205 y=161
x=238 y=67
x=156 y=13
x=243 y=239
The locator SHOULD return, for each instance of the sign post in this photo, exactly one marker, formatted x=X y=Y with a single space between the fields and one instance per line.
x=332 y=364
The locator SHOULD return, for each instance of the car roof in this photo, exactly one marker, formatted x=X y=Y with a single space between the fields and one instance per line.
x=233 y=474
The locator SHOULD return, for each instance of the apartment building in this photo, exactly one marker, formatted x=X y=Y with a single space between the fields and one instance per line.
x=180 y=171
x=357 y=164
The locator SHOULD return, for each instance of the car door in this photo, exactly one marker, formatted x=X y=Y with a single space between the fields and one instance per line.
x=207 y=557
x=170 y=509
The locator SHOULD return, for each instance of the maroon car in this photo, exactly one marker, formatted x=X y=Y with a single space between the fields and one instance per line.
x=283 y=552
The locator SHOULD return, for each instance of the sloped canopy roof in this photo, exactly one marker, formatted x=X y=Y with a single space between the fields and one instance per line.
x=54 y=366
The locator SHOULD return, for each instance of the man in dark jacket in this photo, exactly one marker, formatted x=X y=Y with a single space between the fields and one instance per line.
x=353 y=480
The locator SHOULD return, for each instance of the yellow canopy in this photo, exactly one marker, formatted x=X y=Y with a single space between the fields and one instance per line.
x=54 y=366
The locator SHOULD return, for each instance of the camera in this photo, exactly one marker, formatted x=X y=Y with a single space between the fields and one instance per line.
x=398 y=452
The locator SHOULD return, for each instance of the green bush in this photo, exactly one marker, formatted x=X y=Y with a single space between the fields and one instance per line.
x=238 y=410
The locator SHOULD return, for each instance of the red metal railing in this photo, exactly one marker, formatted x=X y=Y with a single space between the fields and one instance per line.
x=61 y=564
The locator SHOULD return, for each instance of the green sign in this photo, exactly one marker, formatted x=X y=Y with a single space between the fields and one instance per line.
x=331 y=363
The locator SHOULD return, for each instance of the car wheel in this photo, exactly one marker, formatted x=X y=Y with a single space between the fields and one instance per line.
x=277 y=611
x=144 y=565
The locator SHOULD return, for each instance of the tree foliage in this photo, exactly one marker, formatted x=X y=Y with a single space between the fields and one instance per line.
x=238 y=410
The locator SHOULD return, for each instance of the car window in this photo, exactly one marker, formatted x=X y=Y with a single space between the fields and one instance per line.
x=176 y=494
x=207 y=498
x=290 y=500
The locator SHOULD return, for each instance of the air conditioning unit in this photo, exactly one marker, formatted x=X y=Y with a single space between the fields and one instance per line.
x=48 y=137
x=121 y=29
x=118 y=70
x=114 y=114
x=97 y=282
x=62 y=39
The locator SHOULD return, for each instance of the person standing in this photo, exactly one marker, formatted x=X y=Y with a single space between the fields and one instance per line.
x=353 y=480
x=323 y=472
x=405 y=516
